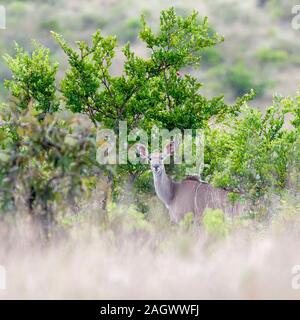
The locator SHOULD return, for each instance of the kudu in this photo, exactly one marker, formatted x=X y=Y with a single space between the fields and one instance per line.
x=189 y=196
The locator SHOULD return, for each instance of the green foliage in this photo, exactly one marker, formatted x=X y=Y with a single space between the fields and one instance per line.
x=293 y=180
x=281 y=9
x=89 y=70
x=150 y=91
x=288 y=215
x=130 y=30
x=50 y=24
x=211 y=56
x=126 y=220
x=253 y=155
x=215 y=224
x=33 y=78
x=187 y=222
x=48 y=157
x=93 y=20
x=180 y=40
x=267 y=55
x=242 y=79
x=43 y=162
x=44 y=155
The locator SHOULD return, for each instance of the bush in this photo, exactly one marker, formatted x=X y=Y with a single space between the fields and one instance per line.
x=211 y=57
x=44 y=154
x=90 y=20
x=267 y=55
x=126 y=220
x=129 y=32
x=51 y=24
x=241 y=80
x=33 y=79
x=215 y=224
x=253 y=155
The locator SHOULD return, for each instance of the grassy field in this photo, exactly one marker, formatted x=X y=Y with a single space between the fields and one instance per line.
x=137 y=258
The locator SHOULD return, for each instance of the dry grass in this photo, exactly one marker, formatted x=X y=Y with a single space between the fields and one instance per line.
x=158 y=261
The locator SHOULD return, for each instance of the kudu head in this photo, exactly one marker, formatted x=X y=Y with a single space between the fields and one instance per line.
x=156 y=159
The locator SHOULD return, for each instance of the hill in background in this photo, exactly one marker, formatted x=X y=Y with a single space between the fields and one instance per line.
x=261 y=49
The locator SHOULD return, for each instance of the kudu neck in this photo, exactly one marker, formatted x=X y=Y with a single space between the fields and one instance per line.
x=164 y=187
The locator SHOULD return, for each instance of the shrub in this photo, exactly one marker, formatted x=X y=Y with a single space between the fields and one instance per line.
x=45 y=155
x=241 y=80
x=253 y=155
x=126 y=220
x=33 y=80
x=267 y=55
x=51 y=24
x=211 y=56
x=129 y=32
x=92 y=20
x=215 y=224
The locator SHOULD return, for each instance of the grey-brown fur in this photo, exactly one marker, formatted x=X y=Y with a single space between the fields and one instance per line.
x=189 y=195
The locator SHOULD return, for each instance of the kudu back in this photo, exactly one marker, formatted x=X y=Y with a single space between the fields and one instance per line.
x=188 y=196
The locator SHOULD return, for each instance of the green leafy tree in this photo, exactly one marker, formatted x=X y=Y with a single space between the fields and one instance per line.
x=33 y=79
x=150 y=91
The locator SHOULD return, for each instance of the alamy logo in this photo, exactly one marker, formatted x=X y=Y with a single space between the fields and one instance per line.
x=296 y=19
x=122 y=148
x=2 y=17
x=2 y=278
x=296 y=277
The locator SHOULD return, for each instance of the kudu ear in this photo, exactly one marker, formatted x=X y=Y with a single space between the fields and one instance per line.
x=142 y=151
x=169 y=149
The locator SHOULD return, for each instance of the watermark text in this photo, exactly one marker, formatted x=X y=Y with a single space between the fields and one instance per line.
x=296 y=19
x=2 y=278
x=296 y=277
x=2 y=17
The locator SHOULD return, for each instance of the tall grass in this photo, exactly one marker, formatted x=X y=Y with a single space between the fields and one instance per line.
x=127 y=255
